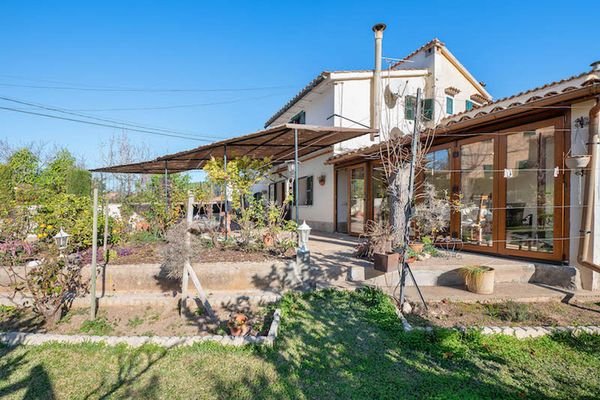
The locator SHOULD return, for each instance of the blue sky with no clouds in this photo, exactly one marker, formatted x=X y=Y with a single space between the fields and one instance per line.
x=233 y=65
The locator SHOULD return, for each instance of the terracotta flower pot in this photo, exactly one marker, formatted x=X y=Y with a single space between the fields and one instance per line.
x=417 y=247
x=237 y=325
x=386 y=262
x=268 y=240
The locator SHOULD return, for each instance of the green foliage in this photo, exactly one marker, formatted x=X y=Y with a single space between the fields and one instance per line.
x=98 y=327
x=135 y=322
x=511 y=311
x=241 y=174
x=79 y=182
x=72 y=213
x=154 y=198
x=142 y=237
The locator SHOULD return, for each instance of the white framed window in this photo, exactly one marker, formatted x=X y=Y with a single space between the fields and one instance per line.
x=305 y=187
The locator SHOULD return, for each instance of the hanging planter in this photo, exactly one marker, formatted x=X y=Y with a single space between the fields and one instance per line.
x=321 y=180
x=577 y=162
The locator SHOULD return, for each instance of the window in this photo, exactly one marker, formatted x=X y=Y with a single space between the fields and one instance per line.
x=409 y=107
x=449 y=105
x=299 y=118
x=305 y=186
x=468 y=105
x=427 y=109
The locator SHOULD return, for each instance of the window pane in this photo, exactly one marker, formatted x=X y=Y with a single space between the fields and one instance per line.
x=428 y=109
x=530 y=191
x=476 y=184
x=409 y=107
x=357 y=200
x=436 y=171
x=380 y=197
x=449 y=105
x=468 y=105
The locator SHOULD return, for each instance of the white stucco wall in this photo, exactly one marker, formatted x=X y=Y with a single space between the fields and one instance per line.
x=579 y=138
x=319 y=216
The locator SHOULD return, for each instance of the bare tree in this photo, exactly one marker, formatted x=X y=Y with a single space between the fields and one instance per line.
x=120 y=150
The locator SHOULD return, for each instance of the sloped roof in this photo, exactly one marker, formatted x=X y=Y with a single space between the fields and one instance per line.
x=524 y=99
x=435 y=42
x=276 y=143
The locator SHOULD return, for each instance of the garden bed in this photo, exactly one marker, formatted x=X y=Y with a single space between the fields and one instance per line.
x=454 y=314
x=141 y=320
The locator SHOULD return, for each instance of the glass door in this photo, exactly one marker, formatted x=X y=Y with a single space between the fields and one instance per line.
x=476 y=177
x=358 y=201
x=532 y=193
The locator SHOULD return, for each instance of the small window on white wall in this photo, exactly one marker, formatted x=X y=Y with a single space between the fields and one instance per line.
x=449 y=105
x=305 y=186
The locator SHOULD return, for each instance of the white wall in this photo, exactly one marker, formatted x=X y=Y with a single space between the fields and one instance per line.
x=579 y=138
x=319 y=216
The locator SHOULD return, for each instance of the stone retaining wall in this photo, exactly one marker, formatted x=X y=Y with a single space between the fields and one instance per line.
x=33 y=339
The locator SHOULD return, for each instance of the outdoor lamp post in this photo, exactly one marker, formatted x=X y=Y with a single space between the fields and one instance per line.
x=62 y=240
x=303 y=234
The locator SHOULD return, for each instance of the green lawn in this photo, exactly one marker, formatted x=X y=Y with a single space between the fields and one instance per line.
x=332 y=345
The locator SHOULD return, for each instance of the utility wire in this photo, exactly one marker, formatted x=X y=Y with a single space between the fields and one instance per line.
x=110 y=121
x=102 y=124
x=152 y=90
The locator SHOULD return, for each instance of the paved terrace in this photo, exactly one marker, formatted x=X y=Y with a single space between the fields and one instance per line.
x=332 y=254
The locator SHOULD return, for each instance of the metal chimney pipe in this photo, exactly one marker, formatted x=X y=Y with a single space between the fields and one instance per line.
x=376 y=87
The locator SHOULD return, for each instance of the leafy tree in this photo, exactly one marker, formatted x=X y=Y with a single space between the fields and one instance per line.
x=241 y=174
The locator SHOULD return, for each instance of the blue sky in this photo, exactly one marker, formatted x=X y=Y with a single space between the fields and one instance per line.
x=261 y=53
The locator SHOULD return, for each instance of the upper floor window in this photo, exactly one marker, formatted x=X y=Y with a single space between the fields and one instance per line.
x=299 y=118
x=469 y=105
x=409 y=107
x=449 y=105
x=427 y=109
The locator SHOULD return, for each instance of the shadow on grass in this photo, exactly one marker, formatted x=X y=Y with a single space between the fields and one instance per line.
x=36 y=383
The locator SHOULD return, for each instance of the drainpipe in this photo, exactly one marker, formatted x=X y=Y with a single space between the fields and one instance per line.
x=376 y=87
x=584 y=257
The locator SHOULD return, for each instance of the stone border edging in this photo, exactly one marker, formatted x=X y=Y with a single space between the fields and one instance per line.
x=34 y=339
x=520 y=332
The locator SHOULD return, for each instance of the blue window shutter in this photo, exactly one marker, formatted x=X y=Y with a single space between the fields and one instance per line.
x=449 y=105
x=468 y=105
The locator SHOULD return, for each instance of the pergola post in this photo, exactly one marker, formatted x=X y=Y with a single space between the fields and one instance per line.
x=225 y=191
x=296 y=187
x=166 y=188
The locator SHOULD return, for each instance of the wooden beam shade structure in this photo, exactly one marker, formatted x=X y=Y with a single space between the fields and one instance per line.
x=276 y=142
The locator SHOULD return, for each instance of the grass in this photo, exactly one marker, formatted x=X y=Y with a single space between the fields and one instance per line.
x=99 y=326
x=333 y=345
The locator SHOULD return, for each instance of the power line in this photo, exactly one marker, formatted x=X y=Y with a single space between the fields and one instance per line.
x=145 y=90
x=101 y=124
x=110 y=121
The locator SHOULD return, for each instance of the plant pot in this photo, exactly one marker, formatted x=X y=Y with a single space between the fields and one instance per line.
x=386 y=262
x=417 y=247
x=237 y=325
x=481 y=283
x=268 y=240
x=577 y=162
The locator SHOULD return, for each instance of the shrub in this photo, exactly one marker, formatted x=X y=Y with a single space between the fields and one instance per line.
x=73 y=213
x=511 y=311
x=98 y=326
x=176 y=253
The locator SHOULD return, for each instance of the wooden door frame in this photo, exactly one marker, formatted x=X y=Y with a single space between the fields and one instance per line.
x=559 y=192
x=349 y=169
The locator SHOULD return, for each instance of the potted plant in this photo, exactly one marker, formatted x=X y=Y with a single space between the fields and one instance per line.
x=478 y=278
x=238 y=325
x=321 y=179
x=378 y=246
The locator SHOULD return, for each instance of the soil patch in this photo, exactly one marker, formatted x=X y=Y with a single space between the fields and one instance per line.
x=151 y=253
x=143 y=320
x=508 y=313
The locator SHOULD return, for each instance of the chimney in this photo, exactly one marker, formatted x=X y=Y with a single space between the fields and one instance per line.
x=595 y=65
x=376 y=87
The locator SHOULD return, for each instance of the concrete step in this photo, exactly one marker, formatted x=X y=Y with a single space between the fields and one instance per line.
x=443 y=271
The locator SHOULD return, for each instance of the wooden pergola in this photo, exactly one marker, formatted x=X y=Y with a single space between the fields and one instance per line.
x=281 y=143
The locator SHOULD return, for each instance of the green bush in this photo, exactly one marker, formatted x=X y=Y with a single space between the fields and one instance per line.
x=511 y=311
x=72 y=213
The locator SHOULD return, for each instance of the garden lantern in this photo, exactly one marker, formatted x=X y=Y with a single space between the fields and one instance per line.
x=291 y=167
x=62 y=240
x=303 y=233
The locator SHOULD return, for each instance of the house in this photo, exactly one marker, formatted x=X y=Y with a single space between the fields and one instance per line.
x=508 y=159
x=330 y=195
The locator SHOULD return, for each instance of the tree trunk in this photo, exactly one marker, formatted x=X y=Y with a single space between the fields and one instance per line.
x=398 y=197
